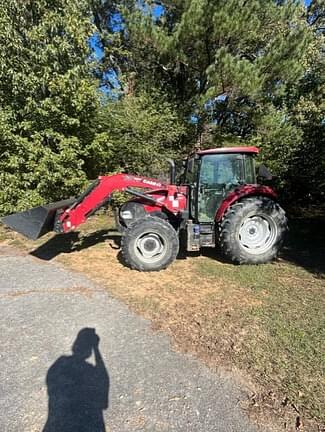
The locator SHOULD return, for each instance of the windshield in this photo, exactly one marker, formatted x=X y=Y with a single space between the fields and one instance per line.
x=222 y=169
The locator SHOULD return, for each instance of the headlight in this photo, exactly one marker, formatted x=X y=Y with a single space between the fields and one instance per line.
x=126 y=214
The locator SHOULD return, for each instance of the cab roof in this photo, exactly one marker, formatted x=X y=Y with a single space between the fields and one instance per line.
x=253 y=150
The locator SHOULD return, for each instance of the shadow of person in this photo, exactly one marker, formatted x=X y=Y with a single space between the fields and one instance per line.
x=77 y=390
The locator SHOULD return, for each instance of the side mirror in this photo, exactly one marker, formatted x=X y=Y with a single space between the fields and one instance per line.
x=264 y=173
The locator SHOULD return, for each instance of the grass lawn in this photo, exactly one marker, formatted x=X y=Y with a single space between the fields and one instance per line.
x=265 y=323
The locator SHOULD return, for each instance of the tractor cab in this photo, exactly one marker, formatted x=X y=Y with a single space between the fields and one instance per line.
x=213 y=174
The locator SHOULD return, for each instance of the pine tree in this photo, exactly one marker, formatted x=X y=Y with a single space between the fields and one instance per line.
x=218 y=60
x=223 y=58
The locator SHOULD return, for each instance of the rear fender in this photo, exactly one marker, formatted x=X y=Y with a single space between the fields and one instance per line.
x=241 y=192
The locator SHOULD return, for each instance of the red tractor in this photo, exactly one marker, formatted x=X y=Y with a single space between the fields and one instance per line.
x=217 y=202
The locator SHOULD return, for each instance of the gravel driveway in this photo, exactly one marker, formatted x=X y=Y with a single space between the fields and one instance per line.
x=74 y=359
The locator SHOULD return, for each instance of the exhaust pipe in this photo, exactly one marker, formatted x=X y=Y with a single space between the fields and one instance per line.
x=172 y=172
x=36 y=222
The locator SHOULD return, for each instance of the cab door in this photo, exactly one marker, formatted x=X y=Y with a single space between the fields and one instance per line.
x=219 y=175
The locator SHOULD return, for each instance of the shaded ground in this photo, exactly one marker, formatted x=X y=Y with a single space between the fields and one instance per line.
x=267 y=321
x=305 y=246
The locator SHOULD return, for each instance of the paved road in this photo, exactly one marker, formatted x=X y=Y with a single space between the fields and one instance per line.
x=130 y=381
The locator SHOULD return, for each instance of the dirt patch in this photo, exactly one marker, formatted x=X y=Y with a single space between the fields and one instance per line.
x=7 y=250
x=87 y=292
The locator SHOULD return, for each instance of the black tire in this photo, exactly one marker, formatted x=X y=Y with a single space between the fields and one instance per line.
x=252 y=231
x=149 y=244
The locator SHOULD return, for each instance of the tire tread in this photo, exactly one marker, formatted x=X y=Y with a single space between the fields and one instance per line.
x=129 y=235
x=228 y=225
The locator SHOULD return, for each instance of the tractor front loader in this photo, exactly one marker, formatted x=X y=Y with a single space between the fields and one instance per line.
x=217 y=203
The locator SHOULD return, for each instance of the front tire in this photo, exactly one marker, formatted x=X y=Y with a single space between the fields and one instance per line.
x=252 y=231
x=149 y=244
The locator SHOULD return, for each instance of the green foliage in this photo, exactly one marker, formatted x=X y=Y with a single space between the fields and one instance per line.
x=306 y=175
x=293 y=142
x=136 y=134
x=47 y=98
x=279 y=138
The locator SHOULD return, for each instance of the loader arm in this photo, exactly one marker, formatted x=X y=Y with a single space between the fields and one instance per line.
x=98 y=195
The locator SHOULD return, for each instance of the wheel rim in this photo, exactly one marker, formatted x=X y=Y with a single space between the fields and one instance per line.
x=150 y=247
x=257 y=234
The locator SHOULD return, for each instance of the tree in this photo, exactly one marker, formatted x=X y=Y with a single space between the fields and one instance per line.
x=137 y=133
x=218 y=60
x=48 y=100
x=305 y=176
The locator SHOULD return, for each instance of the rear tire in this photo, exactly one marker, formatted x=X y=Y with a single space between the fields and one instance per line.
x=149 y=244
x=252 y=231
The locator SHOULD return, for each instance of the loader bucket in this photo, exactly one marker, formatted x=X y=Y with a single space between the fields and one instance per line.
x=36 y=222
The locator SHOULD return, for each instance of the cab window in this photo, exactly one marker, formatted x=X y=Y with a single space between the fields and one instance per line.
x=222 y=170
